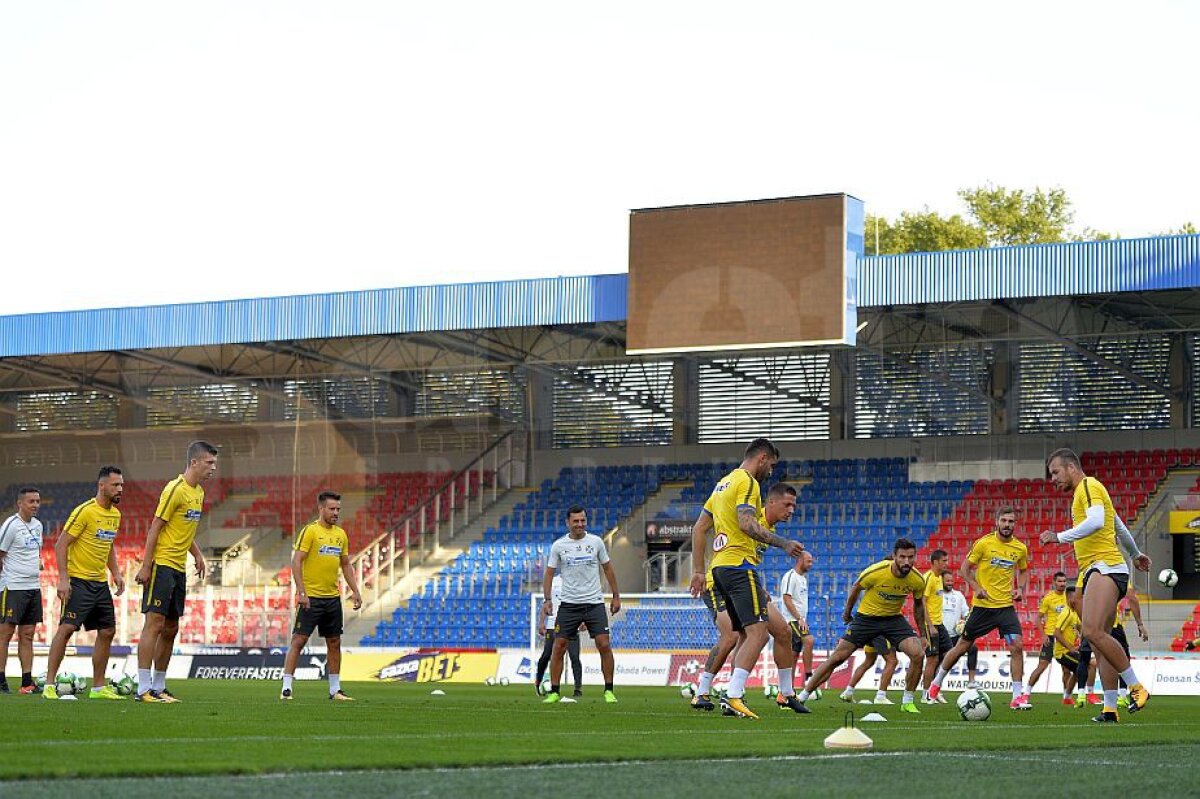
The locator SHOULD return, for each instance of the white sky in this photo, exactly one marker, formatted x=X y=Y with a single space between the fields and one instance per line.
x=175 y=152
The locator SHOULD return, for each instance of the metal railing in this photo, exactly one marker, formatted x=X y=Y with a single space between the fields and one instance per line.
x=391 y=556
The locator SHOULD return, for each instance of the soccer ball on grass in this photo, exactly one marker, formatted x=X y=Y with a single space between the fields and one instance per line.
x=1168 y=577
x=67 y=684
x=770 y=691
x=974 y=705
x=687 y=691
x=125 y=685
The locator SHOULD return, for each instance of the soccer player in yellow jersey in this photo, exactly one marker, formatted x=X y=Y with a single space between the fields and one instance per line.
x=997 y=569
x=1065 y=635
x=885 y=586
x=171 y=537
x=736 y=504
x=1052 y=605
x=85 y=552
x=779 y=507
x=939 y=636
x=322 y=548
x=1099 y=537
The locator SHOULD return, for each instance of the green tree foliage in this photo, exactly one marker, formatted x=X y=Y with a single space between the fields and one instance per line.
x=995 y=217
x=923 y=231
x=1019 y=217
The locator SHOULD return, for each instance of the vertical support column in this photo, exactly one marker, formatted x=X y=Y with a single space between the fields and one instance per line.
x=685 y=402
x=1181 y=377
x=401 y=394
x=540 y=410
x=843 y=374
x=130 y=414
x=8 y=414
x=270 y=407
x=1004 y=379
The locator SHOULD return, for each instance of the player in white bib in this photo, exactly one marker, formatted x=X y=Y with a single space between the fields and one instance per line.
x=793 y=592
x=20 y=592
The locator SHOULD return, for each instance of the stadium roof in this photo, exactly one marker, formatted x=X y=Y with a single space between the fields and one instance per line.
x=1052 y=270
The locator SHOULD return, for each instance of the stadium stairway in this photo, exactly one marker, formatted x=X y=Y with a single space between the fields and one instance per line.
x=364 y=622
x=628 y=545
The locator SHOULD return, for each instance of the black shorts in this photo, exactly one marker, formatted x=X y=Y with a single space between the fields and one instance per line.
x=571 y=615
x=324 y=614
x=1047 y=652
x=743 y=593
x=89 y=606
x=1118 y=632
x=864 y=630
x=1068 y=661
x=713 y=601
x=878 y=646
x=981 y=621
x=1122 y=581
x=939 y=641
x=21 y=606
x=799 y=633
x=165 y=593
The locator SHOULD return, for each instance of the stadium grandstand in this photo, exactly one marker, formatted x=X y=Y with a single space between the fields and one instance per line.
x=459 y=422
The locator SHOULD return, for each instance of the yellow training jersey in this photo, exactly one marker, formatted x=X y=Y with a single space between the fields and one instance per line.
x=997 y=562
x=1051 y=606
x=762 y=548
x=933 y=597
x=1100 y=546
x=94 y=529
x=180 y=506
x=732 y=547
x=1068 y=622
x=325 y=547
x=884 y=593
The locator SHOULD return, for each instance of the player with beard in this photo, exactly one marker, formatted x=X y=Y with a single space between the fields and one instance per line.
x=85 y=552
x=779 y=507
x=884 y=586
x=990 y=568
x=736 y=506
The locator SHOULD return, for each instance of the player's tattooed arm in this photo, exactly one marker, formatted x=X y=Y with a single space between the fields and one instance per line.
x=748 y=522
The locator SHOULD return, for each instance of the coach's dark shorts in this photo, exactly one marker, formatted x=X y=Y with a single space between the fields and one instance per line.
x=1122 y=581
x=90 y=606
x=166 y=591
x=571 y=615
x=799 y=633
x=20 y=606
x=713 y=601
x=981 y=621
x=939 y=641
x=863 y=630
x=324 y=614
x=745 y=597
x=1047 y=652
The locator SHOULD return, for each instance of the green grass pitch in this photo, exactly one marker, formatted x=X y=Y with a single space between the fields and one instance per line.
x=234 y=738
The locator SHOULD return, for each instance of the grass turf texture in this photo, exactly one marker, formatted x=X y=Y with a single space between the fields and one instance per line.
x=243 y=728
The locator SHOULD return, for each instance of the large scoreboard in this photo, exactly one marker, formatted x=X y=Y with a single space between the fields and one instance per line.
x=761 y=274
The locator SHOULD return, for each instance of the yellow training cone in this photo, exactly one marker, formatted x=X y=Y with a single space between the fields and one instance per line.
x=848 y=737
